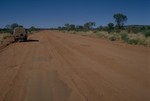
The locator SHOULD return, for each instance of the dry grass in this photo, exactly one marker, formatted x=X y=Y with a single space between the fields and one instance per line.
x=147 y=42
x=4 y=36
x=136 y=39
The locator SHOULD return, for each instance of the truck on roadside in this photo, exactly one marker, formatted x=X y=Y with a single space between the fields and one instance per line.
x=20 y=34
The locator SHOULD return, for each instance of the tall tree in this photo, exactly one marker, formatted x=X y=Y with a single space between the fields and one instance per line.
x=120 y=19
x=110 y=26
x=14 y=25
x=32 y=28
x=79 y=27
x=72 y=27
x=8 y=26
x=67 y=26
x=100 y=28
x=89 y=25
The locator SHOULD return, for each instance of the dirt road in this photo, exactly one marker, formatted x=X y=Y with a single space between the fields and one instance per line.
x=54 y=66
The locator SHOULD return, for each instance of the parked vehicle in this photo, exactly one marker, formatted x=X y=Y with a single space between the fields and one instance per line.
x=20 y=34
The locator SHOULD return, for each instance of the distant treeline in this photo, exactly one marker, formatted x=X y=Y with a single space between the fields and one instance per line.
x=109 y=28
x=118 y=26
x=10 y=28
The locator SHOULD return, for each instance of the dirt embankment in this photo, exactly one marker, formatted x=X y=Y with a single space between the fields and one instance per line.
x=55 y=66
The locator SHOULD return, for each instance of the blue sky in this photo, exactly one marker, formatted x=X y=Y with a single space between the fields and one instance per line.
x=54 y=13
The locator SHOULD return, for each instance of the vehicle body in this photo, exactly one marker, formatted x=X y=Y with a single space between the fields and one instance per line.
x=20 y=34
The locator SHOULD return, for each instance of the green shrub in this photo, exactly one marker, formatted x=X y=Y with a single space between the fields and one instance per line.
x=124 y=37
x=117 y=30
x=142 y=42
x=133 y=41
x=95 y=31
x=113 y=38
x=99 y=35
x=147 y=34
x=135 y=30
x=73 y=32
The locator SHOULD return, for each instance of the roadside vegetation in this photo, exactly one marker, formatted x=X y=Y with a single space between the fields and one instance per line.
x=118 y=31
x=8 y=31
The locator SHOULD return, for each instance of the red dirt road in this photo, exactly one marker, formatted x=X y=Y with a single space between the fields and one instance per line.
x=54 y=66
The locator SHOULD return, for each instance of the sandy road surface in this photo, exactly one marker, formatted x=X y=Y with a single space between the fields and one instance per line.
x=55 y=66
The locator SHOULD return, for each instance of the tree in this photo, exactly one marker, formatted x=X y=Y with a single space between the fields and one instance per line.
x=59 y=28
x=14 y=25
x=110 y=26
x=32 y=28
x=20 y=26
x=100 y=28
x=67 y=26
x=8 y=26
x=8 y=29
x=120 y=19
x=79 y=27
x=89 y=25
x=148 y=27
x=72 y=27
